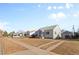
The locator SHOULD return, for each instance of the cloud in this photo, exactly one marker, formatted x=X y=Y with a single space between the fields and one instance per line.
x=54 y=7
x=68 y=5
x=39 y=5
x=57 y=16
x=60 y=7
x=49 y=8
x=61 y=15
x=4 y=25
x=75 y=15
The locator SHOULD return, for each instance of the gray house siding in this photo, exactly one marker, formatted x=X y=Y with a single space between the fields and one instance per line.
x=48 y=34
x=67 y=34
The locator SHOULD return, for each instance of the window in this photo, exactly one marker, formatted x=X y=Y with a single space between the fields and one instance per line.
x=47 y=32
x=55 y=32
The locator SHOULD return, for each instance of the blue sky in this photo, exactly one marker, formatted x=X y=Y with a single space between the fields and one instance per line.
x=15 y=17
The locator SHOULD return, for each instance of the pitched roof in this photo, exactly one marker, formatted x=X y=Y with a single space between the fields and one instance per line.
x=49 y=27
x=67 y=32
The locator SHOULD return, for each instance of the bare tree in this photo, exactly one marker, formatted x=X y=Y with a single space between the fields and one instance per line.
x=5 y=33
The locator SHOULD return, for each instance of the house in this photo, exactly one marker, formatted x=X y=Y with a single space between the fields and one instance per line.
x=21 y=34
x=49 y=32
x=67 y=34
x=15 y=35
x=18 y=34
x=35 y=33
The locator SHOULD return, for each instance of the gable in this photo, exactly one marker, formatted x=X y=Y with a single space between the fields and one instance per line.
x=49 y=27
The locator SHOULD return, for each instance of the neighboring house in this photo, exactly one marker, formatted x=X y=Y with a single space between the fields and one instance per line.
x=20 y=34
x=32 y=32
x=35 y=33
x=49 y=32
x=15 y=35
x=26 y=34
x=67 y=34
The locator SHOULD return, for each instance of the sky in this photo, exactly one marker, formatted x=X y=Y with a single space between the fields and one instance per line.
x=30 y=16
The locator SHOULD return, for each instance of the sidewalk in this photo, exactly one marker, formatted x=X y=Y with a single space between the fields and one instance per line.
x=55 y=46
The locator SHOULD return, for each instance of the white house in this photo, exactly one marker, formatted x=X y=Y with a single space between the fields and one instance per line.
x=21 y=34
x=50 y=32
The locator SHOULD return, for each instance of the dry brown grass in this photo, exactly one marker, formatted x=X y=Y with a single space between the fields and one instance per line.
x=68 y=48
x=34 y=42
x=47 y=46
x=10 y=47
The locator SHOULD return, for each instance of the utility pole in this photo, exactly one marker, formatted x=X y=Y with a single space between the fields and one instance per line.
x=73 y=30
x=42 y=34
